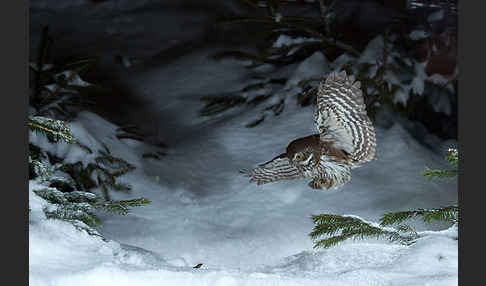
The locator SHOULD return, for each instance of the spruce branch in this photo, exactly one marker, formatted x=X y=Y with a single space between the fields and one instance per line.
x=340 y=228
x=407 y=229
x=67 y=186
x=121 y=207
x=449 y=213
x=81 y=197
x=66 y=209
x=78 y=198
x=453 y=156
x=59 y=85
x=453 y=159
x=74 y=212
x=54 y=130
x=51 y=195
x=304 y=25
x=113 y=166
x=54 y=90
x=37 y=168
x=102 y=173
x=441 y=174
x=279 y=56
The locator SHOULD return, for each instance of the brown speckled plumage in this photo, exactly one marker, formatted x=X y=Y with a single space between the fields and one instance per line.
x=346 y=139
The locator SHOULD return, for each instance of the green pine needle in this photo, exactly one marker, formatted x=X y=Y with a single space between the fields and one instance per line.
x=54 y=130
x=81 y=197
x=81 y=212
x=441 y=174
x=449 y=213
x=121 y=207
x=117 y=166
x=453 y=156
x=341 y=228
x=51 y=195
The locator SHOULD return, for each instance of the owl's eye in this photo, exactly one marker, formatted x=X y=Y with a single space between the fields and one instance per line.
x=299 y=157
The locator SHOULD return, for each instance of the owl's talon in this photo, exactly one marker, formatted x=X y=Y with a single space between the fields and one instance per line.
x=320 y=185
x=313 y=185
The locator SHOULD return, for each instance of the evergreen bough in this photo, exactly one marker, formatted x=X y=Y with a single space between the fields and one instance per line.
x=395 y=79
x=453 y=159
x=340 y=228
x=63 y=185
x=68 y=186
x=336 y=228
x=54 y=130
x=59 y=89
x=81 y=205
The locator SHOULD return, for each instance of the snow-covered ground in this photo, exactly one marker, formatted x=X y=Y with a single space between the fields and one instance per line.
x=204 y=211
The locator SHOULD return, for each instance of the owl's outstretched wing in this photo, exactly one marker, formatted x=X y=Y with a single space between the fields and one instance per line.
x=341 y=118
x=279 y=168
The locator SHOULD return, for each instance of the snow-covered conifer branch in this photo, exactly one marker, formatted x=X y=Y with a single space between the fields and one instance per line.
x=449 y=213
x=54 y=130
x=339 y=228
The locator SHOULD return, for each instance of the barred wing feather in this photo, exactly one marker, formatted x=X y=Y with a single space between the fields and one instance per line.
x=277 y=169
x=341 y=117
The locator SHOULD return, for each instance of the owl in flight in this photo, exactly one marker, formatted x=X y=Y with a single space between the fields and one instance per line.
x=346 y=139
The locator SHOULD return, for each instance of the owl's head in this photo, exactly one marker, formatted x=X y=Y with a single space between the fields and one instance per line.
x=300 y=151
x=302 y=158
